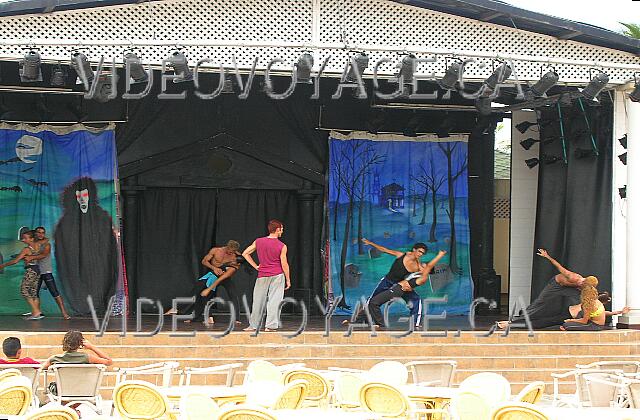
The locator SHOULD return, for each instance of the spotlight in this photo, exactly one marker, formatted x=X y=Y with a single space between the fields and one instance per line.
x=80 y=64
x=58 y=76
x=622 y=192
x=104 y=89
x=29 y=67
x=483 y=105
x=498 y=76
x=361 y=63
x=623 y=141
x=585 y=153
x=136 y=70
x=524 y=126
x=451 y=76
x=406 y=69
x=531 y=163
x=595 y=86
x=623 y=158
x=528 y=143
x=413 y=126
x=548 y=80
x=178 y=62
x=303 y=68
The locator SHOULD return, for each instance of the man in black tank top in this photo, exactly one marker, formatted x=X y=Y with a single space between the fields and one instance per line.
x=404 y=264
x=400 y=289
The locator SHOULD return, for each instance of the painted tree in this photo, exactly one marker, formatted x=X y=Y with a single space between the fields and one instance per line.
x=454 y=171
x=336 y=173
x=356 y=159
x=632 y=30
x=431 y=180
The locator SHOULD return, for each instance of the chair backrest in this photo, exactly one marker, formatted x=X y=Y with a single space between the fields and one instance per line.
x=633 y=390
x=433 y=373
x=30 y=371
x=138 y=400
x=292 y=396
x=582 y=390
x=603 y=389
x=9 y=372
x=468 y=405
x=262 y=371
x=229 y=370
x=198 y=407
x=244 y=412
x=531 y=393
x=317 y=386
x=492 y=387
x=53 y=413
x=15 y=396
x=518 y=410
x=347 y=390
x=390 y=372
x=626 y=366
x=384 y=400
x=162 y=371
x=78 y=380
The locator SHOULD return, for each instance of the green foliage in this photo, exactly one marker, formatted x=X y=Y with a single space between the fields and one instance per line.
x=632 y=30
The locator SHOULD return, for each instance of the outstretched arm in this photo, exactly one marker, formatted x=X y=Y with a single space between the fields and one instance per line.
x=569 y=278
x=382 y=249
x=246 y=254
x=624 y=310
x=20 y=256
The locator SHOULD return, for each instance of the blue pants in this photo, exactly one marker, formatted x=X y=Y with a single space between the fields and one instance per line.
x=412 y=298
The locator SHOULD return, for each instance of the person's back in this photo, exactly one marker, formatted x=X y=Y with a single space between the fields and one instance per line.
x=71 y=344
x=269 y=250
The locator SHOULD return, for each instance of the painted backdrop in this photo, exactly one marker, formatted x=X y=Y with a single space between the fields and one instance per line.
x=396 y=191
x=62 y=179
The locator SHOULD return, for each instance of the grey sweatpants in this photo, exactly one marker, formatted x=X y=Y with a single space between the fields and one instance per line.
x=269 y=291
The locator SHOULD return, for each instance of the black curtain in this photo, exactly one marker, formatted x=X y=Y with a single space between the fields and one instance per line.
x=176 y=229
x=178 y=226
x=573 y=219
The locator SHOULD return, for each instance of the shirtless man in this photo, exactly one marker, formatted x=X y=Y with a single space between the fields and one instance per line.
x=43 y=259
x=404 y=264
x=223 y=263
x=562 y=291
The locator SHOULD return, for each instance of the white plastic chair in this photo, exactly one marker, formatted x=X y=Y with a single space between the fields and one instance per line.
x=388 y=372
x=163 y=371
x=606 y=390
x=198 y=407
x=581 y=397
x=432 y=372
x=229 y=370
x=262 y=371
x=29 y=371
x=493 y=388
x=626 y=366
x=77 y=383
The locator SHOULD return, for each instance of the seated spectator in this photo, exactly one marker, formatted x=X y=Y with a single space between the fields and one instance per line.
x=12 y=349
x=71 y=344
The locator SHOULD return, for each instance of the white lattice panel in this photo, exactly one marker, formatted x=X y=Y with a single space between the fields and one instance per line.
x=280 y=22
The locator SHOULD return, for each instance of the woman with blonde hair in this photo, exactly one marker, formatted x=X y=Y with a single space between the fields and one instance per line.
x=590 y=314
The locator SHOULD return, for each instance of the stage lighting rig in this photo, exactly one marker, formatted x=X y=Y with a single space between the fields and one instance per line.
x=29 y=66
x=361 y=63
x=178 y=62
x=595 y=86
x=80 y=64
x=58 y=76
x=540 y=88
x=136 y=70
x=303 y=68
x=452 y=75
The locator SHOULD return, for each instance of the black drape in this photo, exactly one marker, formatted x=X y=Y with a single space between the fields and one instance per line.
x=178 y=226
x=573 y=219
x=176 y=229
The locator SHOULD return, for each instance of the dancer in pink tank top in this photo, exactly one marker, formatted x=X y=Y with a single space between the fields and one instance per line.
x=273 y=276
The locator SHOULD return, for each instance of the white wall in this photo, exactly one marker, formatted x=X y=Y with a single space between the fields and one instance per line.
x=619 y=208
x=524 y=188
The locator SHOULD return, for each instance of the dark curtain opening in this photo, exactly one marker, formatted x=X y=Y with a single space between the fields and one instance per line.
x=178 y=226
x=573 y=219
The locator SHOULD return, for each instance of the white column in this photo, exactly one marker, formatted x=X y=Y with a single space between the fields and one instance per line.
x=633 y=215
x=619 y=207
